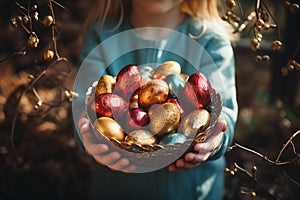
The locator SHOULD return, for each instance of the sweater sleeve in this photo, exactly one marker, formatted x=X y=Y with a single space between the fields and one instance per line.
x=222 y=55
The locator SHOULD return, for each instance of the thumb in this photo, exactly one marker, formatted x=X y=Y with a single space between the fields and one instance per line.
x=221 y=125
x=83 y=125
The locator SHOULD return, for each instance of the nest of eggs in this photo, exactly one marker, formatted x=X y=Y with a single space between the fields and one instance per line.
x=151 y=113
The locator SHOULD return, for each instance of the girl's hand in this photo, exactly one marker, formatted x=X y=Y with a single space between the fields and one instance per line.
x=101 y=152
x=205 y=149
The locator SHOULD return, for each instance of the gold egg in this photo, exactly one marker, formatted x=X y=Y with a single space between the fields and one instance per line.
x=109 y=127
x=166 y=68
x=106 y=84
x=195 y=122
x=164 y=118
x=185 y=76
x=154 y=92
x=134 y=100
x=140 y=137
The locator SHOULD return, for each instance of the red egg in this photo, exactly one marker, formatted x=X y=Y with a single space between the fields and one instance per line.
x=109 y=105
x=128 y=123
x=128 y=80
x=139 y=116
x=197 y=90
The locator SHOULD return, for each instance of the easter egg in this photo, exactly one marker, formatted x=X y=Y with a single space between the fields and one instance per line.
x=166 y=68
x=128 y=123
x=109 y=105
x=176 y=102
x=105 y=85
x=154 y=92
x=195 y=122
x=140 y=137
x=139 y=116
x=184 y=76
x=176 y=85
x=134 y=100
x=197 y=90
x=173 y=138
x=127 y=81
x=164 y=118
x=109 y=127
x=146 y=72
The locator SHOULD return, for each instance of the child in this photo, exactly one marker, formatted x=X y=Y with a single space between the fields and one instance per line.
x=199 y=174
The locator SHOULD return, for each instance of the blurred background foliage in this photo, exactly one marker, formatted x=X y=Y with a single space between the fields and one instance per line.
x=51 y=165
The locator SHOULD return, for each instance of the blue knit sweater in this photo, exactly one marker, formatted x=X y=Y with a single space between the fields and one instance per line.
x=196 y=49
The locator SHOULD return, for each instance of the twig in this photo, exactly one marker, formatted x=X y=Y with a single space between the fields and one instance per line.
x=291 y=178
x=244 y=170
x=257 y=7
x=58 y=4
x=262 y=187
x=273 y=18
x=53 y=36
x=285 y=146
x=20 y=6
x=240 y=8
x=263 y=156
x=17 y=53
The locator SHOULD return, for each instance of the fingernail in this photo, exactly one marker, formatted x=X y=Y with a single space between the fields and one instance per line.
x=224 y=128
x=179 y=163
x=84 y=129
x=189 y=157
x=171 y=168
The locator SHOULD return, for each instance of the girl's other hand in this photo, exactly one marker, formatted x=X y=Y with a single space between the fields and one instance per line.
x=101 y=152
x=205 y=150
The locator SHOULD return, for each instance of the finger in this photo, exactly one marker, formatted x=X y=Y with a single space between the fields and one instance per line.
x=96 y=149
x=220 y=125
x=210 y=144
x=82 y=121
x=181 y=165
x=129 y=169
x=83 y=125
x=89 y=138
x=120 y=164
x=84 y=128
x=173 y=168
x=202 y=148
x=123 y=165
x=196 y=158
x=188 y=165
x=108 y=159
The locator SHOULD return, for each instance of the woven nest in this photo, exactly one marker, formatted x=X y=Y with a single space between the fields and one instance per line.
x=149 y=157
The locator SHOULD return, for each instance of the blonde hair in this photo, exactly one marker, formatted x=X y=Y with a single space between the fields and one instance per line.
x=207 y=10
